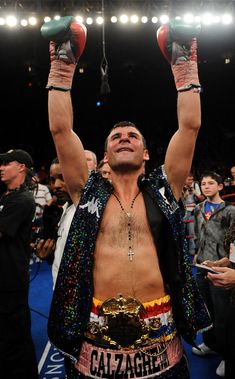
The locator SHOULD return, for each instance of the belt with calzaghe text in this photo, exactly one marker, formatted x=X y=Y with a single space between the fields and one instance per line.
x=125 y=323
x=127 y=339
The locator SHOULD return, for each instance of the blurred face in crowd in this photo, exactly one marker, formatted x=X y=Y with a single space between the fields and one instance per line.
x=189 y=181
x=58 y=185
x=105 y=171
x=233 y=172
x=91 y=160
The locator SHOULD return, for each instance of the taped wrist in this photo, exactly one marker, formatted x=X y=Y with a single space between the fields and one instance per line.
x=184 y=65
x=186 y=76
x=63 y=65
x=61 y=75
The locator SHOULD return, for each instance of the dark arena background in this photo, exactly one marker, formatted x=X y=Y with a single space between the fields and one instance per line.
x=141 y=85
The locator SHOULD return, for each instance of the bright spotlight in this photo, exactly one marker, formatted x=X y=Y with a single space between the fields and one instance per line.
x=113 y=19
x=226 y=19
x=164 y=19
x=144 y=19
x=47 y=19
x=123 y=18
x=32 y=21
x=79 y=19
x=11 y=21
x=99 y=20
x=89 y=21
x=188 y=18
x=207 y=19
x=134 y=19
x=154 y=20
x=24 y=22
x=57 y=17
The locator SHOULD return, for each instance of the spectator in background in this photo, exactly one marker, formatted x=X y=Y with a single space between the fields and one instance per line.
x=229 y=187
x=232 y=170
x=191 y=196
x=42 y=197
x=47 y=248
x=91 y=160
x=213 y=217
x=17 y=208
x=43 y=175
x=226 y=279
x=104 y=169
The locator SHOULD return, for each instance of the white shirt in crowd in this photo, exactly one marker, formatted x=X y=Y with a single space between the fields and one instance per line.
x=63 y=230
x=42 y=196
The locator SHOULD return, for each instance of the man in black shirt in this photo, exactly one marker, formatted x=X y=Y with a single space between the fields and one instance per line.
x=17 y=207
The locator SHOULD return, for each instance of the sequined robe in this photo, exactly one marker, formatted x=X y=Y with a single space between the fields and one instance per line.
x=72 y=298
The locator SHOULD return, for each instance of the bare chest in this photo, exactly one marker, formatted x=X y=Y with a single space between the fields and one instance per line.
x=122 y=226
x=125 y=254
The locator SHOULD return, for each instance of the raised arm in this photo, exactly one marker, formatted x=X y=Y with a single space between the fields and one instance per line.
x=67 y=44
x=179 y=46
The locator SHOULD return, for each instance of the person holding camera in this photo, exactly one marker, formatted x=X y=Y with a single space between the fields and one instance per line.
x=191 y=195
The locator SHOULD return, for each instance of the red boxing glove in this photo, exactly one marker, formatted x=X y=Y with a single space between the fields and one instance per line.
x=180 y=50
x=67 y=45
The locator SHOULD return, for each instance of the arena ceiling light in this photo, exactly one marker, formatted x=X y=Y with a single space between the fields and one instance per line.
x=24 y=22
x=114 y=19
x=144 y=19
x=134 y=19
x=79 y=19
x=124 y=19
x=31 y=20
x=227 y=19
x=11 y=21
x=99 y=20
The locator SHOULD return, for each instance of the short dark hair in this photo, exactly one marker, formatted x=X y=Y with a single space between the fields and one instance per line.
x=124 y=124
x=213 y=175
x=101 y=164
x=55 y=161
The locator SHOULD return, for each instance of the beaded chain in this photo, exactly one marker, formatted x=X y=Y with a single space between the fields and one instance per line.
x=129 y=216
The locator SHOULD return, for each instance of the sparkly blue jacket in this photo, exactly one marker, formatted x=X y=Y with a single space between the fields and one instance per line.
x=72 y=298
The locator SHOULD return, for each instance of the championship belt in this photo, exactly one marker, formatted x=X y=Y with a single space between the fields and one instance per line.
x=122 y=326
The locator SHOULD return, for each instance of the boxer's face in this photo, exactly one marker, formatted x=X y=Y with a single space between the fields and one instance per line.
x=125 y=149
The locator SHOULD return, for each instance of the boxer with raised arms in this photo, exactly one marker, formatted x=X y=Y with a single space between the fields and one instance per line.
x=125 y=293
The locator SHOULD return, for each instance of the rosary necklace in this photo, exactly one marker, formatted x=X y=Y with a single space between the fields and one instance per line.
x=129 y=224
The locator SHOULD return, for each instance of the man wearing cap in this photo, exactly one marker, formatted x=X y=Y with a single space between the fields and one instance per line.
x=17 y=207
